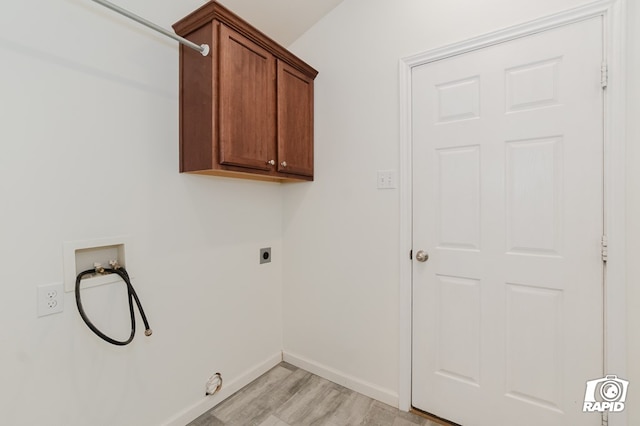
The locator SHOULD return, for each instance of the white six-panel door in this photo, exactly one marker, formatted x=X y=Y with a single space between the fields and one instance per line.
x=508 y=204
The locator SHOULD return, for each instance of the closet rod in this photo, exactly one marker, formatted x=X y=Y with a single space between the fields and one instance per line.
x=203 y=48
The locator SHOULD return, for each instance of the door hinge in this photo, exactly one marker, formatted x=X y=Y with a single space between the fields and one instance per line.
x=604 y=248
x=604 y=75
x=605 y=418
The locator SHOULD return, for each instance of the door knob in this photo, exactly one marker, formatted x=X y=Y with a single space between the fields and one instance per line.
x=422 y=256
x=271 y=162
x=283 y=164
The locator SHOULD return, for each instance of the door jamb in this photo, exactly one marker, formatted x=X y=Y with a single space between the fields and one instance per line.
x=613 y=13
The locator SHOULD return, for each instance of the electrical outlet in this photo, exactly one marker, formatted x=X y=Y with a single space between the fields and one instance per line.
x=50 y=299
x=265 y=255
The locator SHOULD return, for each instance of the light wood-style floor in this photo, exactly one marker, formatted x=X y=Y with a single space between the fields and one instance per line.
x=289 y=396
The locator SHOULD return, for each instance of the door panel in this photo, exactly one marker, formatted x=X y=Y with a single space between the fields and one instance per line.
x=508 y=202
x=247 y=104
x=295 y=121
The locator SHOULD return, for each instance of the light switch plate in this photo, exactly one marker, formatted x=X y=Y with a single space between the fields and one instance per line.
x=387 y=179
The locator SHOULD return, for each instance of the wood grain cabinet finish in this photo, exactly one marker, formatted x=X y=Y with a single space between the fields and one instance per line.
x=246 y=109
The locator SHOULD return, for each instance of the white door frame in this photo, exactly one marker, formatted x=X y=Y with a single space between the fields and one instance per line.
x=614 y=15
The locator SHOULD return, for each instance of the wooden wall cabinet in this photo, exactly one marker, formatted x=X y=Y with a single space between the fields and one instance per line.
x=246 y=109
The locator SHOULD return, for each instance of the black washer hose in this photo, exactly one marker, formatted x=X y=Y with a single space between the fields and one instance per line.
x=132 y=296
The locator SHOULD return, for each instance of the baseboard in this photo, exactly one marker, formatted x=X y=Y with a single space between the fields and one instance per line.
x=369 y=389
x=228 y=389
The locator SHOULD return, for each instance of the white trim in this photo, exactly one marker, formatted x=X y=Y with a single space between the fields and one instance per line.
x=406 y=239
x=546 y=23
x=369 y=389
x=613 y=12
x=615 y=326
x=208 y=402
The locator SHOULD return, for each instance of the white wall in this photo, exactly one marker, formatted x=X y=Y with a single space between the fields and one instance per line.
x=341 y=234
x=89 y=149
x=78 y=82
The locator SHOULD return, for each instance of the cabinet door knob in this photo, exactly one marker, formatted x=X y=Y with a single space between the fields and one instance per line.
x=271 y=162
x=283 y=164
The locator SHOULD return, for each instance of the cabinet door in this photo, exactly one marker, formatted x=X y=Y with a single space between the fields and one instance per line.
x=247 y=102
x=295 y=121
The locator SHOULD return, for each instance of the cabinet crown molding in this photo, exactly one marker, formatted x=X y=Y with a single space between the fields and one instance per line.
x=215 y=11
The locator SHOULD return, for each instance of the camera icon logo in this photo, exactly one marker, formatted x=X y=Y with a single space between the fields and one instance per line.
x=606 y=394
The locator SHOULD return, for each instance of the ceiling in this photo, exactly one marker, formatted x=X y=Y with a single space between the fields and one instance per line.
x=282 y=20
